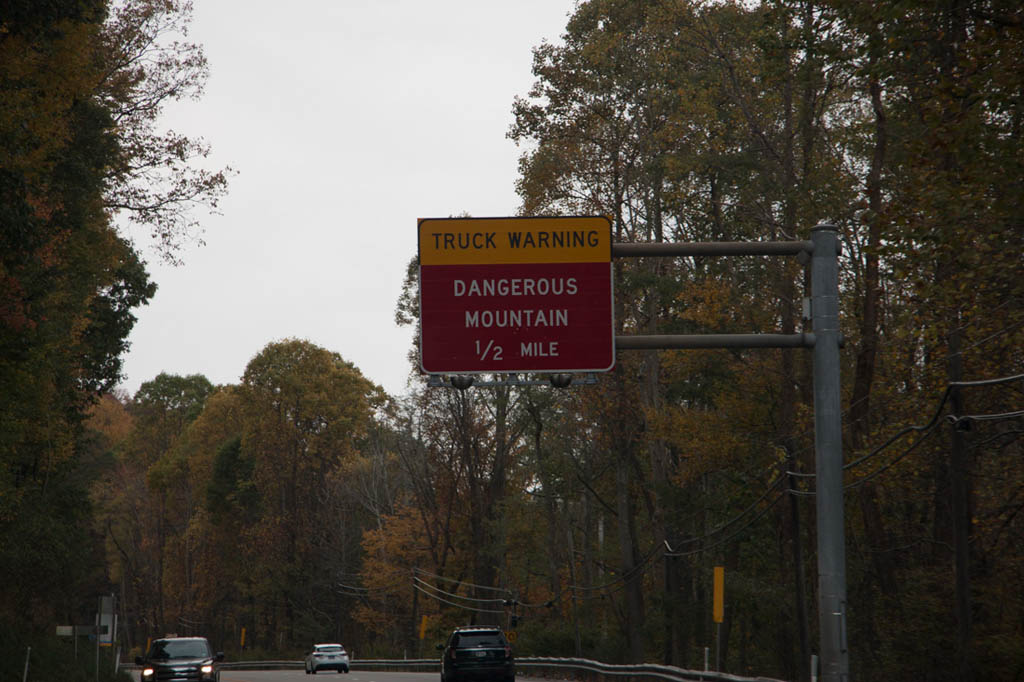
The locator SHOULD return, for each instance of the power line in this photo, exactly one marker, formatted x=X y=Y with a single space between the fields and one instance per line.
x=510 y=600
x=877 y=472
x=962 y=327
x=620 y=582
x=984 y=417
x=356 y=591
x=458 y=596
x=988 y=338
x=459 y=582
x=735 y=519
x=987 y=382
x=1014 y=432
x=924 y=428
x=927 y=431
x=734 y=534
x=546 y=605
x=625 y=577
x=461 y=606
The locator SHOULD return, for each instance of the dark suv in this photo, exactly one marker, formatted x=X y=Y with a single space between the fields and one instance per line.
x=180 y=659
x=477 y=652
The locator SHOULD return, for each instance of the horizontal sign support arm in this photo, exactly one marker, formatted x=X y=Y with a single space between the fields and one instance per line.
x=636 y=250
x=677 y=341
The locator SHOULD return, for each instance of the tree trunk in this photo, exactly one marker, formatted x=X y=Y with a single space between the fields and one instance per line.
x=860 y=399
x=799 y=577
x=633 y=579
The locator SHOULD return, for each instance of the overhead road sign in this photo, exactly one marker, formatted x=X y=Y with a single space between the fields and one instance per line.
x=516 y=295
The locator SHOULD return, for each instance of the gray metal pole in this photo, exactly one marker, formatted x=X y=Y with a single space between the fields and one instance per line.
x=96 y=631
x=673 y=249
x=828 y=446
x=718 y=647
x=670 y=341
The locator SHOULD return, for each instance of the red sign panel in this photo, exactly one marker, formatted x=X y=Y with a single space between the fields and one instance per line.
x=516 y=295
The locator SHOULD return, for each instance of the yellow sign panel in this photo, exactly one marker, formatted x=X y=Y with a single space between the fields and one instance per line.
x=509 y=241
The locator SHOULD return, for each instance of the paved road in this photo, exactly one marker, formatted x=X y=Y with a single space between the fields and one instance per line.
x=354 y=676
x=300 y=675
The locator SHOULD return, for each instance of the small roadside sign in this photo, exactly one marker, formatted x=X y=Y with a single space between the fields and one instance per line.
x=81 y=630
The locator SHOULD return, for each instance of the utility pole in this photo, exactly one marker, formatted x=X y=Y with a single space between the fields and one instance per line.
x=828 y=447
x=959 y=471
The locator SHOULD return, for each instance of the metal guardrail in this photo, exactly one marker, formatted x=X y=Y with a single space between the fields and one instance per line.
x=598 y=671
x=262 y=665
x=562 y=668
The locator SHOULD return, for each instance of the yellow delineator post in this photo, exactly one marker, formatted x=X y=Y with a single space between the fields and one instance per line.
x=243 y=638
x=718 y=612
x=719 y=592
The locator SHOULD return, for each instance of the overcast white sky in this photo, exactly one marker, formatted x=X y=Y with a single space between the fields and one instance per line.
x=347 y=120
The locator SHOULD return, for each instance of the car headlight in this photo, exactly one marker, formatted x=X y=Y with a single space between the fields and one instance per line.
x=207 y=669
x=147 y=672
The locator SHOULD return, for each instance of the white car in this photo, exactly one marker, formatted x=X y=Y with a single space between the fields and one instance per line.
x=327 y=657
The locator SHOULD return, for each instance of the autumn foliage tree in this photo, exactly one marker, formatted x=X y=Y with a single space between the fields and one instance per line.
x=80 y=98
x=236 y=506
x=306 y=410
